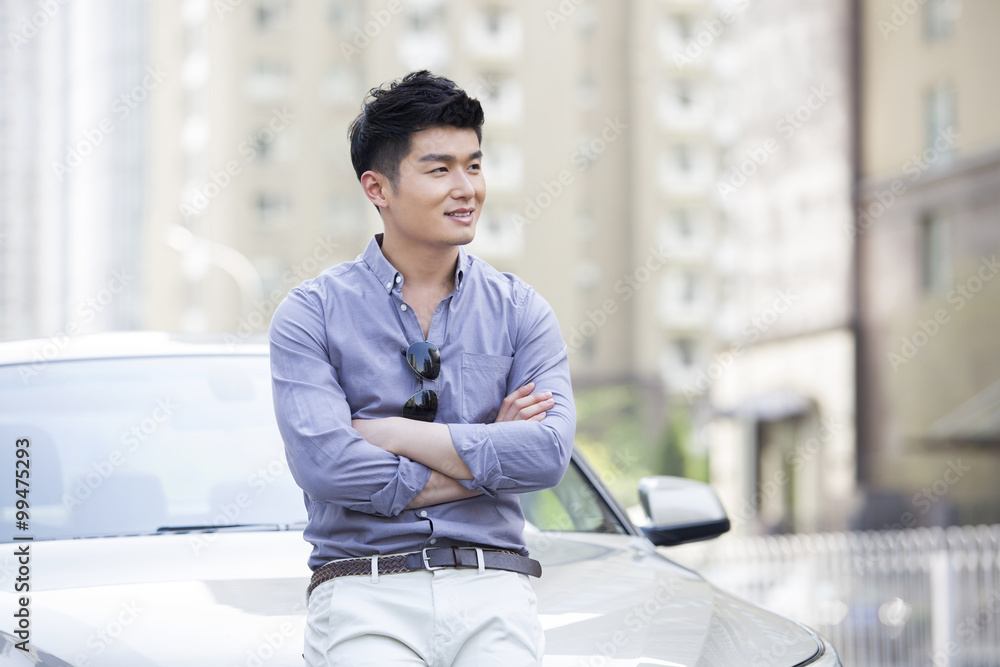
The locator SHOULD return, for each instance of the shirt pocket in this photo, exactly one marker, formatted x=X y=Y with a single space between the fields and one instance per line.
x=484 y=386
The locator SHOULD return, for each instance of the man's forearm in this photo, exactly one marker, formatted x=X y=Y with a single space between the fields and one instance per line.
x=423 y=442
x=440 y=489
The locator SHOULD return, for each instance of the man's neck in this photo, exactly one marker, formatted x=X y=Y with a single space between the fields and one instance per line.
x=423 y=267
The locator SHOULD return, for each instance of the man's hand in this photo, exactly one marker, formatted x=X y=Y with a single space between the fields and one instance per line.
x=522 y=405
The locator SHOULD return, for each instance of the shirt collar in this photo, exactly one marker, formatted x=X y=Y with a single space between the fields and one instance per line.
x=389 y=277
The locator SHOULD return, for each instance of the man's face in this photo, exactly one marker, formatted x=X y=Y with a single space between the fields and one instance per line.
x=440 y=191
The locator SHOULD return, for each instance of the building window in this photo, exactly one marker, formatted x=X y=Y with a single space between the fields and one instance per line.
x=494 y=32
x=342 y=85
x=940 y=118
x=344 y=16
x=682 y=154
x=272 y=211
x=271 y=15
x=682 y=90
x=268 y=80
x=939 y=19
x=936 y=246
x=682 y=220
x=423 y=44
x=587 y=94
x=689 y=287
x=493 y=16
x=685 y=352
x=498 y=235
x=424 y=20
x=270 y=146
x=682 y=26
x=345 y=215
x=503 y=165
x=501 y=96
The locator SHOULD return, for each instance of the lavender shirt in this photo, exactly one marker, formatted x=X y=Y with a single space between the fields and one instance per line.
x=335 y=356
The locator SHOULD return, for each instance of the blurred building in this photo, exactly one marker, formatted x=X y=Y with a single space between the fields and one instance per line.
x=73 y=86
x=603 y=141
x=599 y=160
x=927 y=229
x=773 y=215
x=781 y=385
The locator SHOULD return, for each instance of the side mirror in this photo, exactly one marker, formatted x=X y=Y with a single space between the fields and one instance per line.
x=680 y=510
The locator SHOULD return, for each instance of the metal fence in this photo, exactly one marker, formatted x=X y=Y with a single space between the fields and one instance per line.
x=927 y=596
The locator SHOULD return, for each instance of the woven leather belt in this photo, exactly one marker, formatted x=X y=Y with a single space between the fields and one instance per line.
x=428 y=559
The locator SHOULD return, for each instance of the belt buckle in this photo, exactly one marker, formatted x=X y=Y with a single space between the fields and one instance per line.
x=427 y=562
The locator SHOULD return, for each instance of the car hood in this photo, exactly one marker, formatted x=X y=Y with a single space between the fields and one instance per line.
x=228 y=599
x=617 y=601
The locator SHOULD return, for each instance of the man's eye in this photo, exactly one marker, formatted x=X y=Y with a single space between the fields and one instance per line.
x=440 y=170
x=475 y=167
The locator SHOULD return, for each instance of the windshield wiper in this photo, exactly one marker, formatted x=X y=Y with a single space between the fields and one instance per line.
x=215 y=528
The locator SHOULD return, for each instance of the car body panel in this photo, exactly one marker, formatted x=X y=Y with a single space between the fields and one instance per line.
x=159 y=600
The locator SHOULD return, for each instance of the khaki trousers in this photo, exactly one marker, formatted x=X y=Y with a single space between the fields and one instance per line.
x=444 y=618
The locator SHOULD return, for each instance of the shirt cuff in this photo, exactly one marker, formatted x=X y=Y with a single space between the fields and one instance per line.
x=475 y=448
x=409 y=481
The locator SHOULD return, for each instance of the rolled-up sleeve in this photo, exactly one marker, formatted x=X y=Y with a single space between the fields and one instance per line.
x=522 y=456
x=327 y=457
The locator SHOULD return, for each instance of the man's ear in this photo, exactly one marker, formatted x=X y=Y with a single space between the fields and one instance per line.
x=376 y=187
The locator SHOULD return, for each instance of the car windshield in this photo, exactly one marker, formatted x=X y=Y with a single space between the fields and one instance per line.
x=180 y=443
x=127 y=446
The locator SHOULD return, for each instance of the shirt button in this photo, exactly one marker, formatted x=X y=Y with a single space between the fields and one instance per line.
x=399 y=279
x=433 y=540
x=403 y=307
x=388 y=285
x=423 y=512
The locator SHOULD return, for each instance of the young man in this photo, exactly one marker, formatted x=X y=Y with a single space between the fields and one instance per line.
x=418 y=391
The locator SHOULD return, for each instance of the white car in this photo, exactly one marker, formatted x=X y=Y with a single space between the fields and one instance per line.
x=152 y=521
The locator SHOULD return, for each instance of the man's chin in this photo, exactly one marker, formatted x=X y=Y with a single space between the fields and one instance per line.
x=466 y=236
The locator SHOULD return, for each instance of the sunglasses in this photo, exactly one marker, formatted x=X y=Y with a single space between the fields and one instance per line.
x=425 y=360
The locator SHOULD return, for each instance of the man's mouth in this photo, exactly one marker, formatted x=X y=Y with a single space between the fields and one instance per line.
x=461 y=215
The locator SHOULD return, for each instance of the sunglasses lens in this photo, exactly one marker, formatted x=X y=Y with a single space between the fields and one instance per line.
x=424 y=359
x=422 y=406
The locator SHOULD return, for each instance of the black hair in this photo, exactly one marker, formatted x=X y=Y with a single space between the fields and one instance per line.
x=380 y=135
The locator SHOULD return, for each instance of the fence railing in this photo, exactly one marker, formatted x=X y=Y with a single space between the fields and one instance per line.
x=927 y=596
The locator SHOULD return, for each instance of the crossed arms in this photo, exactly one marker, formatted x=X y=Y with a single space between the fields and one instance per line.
x=431 y=444
x=384 y=466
